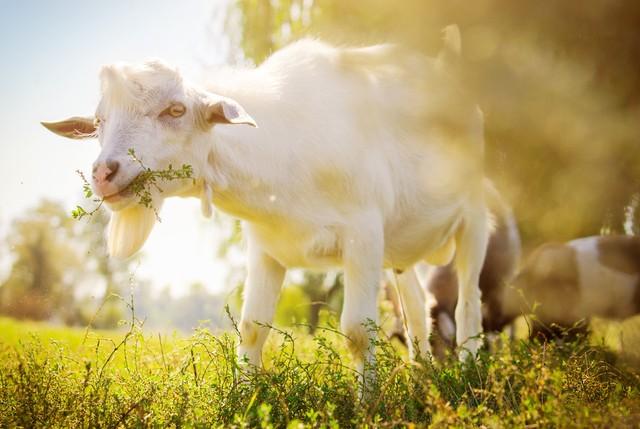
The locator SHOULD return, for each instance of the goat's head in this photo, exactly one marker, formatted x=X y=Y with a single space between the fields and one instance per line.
x=146 y=110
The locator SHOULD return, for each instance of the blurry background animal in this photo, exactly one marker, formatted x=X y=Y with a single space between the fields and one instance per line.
x=564 y=285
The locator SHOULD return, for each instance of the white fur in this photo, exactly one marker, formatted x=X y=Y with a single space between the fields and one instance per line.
x=415 y=308
x=363 y=158
x=128 y=229
x=603 y=291
x=446 y=326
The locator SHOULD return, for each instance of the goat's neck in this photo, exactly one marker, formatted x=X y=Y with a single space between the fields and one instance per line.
x=238 y=189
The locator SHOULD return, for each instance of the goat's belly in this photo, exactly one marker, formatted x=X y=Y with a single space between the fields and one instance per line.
x=405 y=252
x=413 y=240
x=322 y=247
x=604 y=292
x=297 y=247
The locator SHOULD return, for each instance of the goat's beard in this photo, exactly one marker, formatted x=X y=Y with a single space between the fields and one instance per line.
x=128 y=230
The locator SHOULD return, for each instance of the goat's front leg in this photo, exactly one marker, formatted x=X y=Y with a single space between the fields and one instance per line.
x=264 y=280
x=471 y=249
x=363 y=249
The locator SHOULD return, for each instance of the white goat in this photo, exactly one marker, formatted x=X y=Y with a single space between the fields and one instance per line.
x=364 y=158
x=566 y=283
x=500 y=266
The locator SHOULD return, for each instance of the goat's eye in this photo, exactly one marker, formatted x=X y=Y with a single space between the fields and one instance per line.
x=175 y=110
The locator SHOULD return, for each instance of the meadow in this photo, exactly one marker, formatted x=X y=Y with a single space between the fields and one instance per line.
x=65 y=377
x=559 y=86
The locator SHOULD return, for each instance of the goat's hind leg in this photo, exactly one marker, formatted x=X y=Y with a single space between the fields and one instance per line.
x=415 y=311
x=471 y=244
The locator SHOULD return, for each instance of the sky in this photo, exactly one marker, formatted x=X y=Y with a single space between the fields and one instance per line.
x=51 y=54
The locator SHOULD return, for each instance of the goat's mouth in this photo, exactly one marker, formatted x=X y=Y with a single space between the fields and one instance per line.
x=120 y=199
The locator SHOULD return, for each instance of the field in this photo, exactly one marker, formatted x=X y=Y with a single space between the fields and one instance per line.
x=52 y=377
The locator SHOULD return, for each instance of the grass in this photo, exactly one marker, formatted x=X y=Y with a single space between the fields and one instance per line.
x=57 y=377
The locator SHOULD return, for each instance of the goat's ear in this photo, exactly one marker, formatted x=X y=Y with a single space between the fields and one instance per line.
x=221 y=110
x=73 y=128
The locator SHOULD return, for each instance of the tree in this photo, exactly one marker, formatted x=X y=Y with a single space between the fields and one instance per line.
x=44 y=264
x=58 y=263
x=557 y=81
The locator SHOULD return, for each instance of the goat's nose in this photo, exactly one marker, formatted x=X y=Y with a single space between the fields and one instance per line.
x=113 y=166
x=105 y=171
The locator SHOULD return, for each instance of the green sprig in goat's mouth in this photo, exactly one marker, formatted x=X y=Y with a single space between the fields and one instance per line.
x=140 y=186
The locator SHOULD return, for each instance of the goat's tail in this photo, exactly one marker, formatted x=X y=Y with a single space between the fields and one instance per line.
x=499 y=210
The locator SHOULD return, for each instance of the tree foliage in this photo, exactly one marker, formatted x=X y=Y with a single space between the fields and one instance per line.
x=38 y=282
x=558 y=83
x=58 y=265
